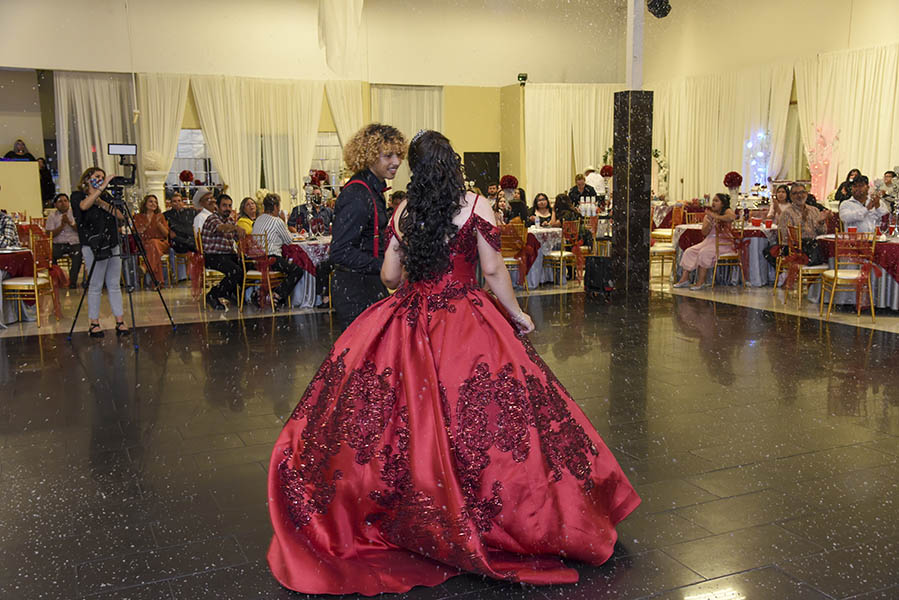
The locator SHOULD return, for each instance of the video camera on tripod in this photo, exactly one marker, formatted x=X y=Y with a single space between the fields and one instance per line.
x=117 y=184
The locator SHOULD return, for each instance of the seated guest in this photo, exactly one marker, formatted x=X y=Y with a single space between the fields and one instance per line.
x=205 y=203
x=889 y=188
x=396 y=198
x=218 y=236
x=541 y=212
x=181 y=224
x=780 y=201
x=517 y=207
x=501 y=210
x=492 y=192
x=844 y=190
x=9 y=235
x=563 y=211
x=595 y=180
x=270 y=223
x=581 y=191
x=153 y=229
x=812 y=222
x=247 y=214
x=302 y=215
x=858 y=211
x=718 y=218
x=19 y=152
x=61 y=225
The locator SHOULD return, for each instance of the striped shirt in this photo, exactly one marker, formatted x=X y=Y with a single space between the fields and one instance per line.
x=277 y=232
x=9 y=235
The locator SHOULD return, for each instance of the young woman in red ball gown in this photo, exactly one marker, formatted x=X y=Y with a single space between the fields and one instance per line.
x=433 y=440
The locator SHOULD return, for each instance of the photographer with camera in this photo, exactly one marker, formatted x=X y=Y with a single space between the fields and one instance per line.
x=98 y=222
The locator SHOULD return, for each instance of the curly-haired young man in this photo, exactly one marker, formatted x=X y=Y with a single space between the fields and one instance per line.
x=359 y=233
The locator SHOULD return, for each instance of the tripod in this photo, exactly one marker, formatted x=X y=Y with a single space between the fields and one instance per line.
x=128 y=265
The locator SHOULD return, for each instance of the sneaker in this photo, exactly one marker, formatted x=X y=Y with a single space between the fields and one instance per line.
x=681 y=284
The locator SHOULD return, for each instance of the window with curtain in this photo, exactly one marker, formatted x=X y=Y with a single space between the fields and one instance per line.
x=192 y=154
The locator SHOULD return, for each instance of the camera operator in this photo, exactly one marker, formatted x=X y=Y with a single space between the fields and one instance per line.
x=97 y=220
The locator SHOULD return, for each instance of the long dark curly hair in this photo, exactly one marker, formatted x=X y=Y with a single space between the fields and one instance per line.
x=434 y=197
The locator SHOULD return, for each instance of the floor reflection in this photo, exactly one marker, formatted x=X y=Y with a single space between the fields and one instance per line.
x=764 y=445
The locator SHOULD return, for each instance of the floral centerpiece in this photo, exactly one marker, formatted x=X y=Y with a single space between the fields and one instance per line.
x=606 y=171
x=508 y=183
x=662 y=162
x=185 y=177
x=733 y=181
x=607 y=156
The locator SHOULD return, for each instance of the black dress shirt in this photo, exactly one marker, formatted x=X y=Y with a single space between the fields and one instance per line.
x=575 y=196
x=353 y=230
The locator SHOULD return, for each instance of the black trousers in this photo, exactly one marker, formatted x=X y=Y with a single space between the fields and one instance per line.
x=352 y=293
x=73 y=251
x=322 y=274
x=292 y=274
x=229 y=264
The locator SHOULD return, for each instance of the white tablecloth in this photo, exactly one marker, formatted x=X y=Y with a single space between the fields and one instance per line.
x=304 y=295
x=550 y=238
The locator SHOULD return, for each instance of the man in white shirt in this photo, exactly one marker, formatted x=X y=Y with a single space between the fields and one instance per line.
x=204 y=201
x=889 y=188
x=277 y=235
x=595 y=180
x=860 y=213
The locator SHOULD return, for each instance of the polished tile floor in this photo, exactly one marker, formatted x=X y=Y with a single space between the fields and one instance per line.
x=764 y=445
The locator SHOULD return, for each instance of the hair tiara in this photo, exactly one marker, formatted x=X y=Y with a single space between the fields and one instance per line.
x=420 y=133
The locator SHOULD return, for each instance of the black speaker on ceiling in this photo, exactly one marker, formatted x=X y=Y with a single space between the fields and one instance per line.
x=659 y=8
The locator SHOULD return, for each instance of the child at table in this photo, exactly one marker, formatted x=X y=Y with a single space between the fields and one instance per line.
x=703 y=255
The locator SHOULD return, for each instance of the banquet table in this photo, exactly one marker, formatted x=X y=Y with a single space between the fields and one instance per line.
x=15 y=263
x=884 y=287
x=760 y=271
x=549 y=238
x=661 y=214
x=308 y=254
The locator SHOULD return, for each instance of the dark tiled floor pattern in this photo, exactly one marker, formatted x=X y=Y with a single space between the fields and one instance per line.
x=765 y=448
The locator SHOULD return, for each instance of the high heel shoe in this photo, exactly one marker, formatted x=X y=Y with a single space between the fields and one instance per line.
x=94 y=331
x=121 y=329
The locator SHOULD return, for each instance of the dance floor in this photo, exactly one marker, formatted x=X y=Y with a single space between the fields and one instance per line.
x=764 y=446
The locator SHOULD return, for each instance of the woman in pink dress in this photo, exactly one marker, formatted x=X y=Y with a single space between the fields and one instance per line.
x=434 y=440
x=703 y=255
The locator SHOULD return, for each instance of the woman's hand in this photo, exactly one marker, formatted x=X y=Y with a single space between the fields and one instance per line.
x=523 y=322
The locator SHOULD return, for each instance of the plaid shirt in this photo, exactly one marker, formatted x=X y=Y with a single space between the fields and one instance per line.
x=9 y=235
x=215 y=242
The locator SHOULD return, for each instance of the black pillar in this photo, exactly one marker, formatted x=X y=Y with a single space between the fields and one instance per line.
x=631 y=198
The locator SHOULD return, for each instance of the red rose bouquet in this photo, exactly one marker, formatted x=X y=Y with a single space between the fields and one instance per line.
x=733 y=180
x=186 y=176
x=606 y=171
x=508 y=182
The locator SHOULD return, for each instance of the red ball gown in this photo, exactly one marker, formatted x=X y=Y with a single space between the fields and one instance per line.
x=434 y=441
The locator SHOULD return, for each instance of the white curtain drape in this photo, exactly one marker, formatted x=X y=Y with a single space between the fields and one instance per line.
x=547 y=138
x=854 y=93
x=290 y=112
x=345 y=102
x=565 y=122
x=703 y=126
x=592 y=110
x=92 y=110
x=227 y=107
x=339 y=25
x=161 y=99
x=409 y=109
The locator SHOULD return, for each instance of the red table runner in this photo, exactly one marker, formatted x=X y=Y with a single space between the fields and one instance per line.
x=295 y=254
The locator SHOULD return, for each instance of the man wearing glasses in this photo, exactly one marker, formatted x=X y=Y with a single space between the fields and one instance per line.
x=812 y=221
